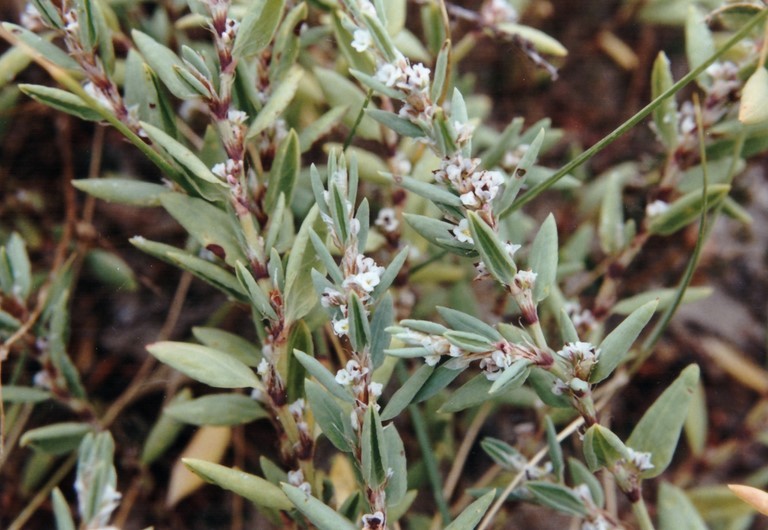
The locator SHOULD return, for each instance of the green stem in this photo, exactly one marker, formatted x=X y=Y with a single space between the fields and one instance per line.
x=640 y=115
x=538 y=335
x=641 y=514
x=360 y=116
x=430 y=462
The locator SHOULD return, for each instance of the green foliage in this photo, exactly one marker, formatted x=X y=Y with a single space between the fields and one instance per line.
x=328 y=183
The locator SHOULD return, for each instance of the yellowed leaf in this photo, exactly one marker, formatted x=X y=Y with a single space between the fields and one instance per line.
x=209 y=443
x=754 y=98
x=756 y=498
x=342 y=477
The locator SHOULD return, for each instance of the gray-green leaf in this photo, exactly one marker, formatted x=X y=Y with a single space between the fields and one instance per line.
x=252 y=487
x=658 y=430
x=205 y=364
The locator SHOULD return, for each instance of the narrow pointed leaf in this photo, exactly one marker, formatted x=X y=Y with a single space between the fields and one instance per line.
x=164 y=63
x=658 y=430
x=217 y=409
x=543 y=258
x=213 y=228
x=676 y=511
x=495 y=257
x=558 y=497
x=323 y=376
x=328 y=415
x=257 y=28
x=615 y=346
x=472 y=514
x=123 y=190
x=204 y=364
x=258 y=299
x=407 y=391
x=61 y=100
x=251 y=487
x=372 y=445
x=321 y=515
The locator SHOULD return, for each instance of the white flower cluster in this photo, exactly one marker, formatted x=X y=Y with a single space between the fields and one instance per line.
x=581 y=356
x=495 y=11
x=719 y=94
x=476 y=188
x=353 y=375
x=228 y=171
x=639 y=459
x=413 y=81
x=296 y=478
x=496 y=363
x=362 y=280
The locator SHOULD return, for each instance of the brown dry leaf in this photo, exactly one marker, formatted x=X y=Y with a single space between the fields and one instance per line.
x=209 y=443
x=752 y=496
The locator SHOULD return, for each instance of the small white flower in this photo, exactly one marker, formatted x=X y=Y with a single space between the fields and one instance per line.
x=220 y=170
x=469 y=199
x=511 y=248
x=417 y=77
x=655 y=208
x=462 y=232
x=71 y=24
x=331 y=298
x=362 y=40
x=579 y=351
x=375 y=389
x=389 y=74
x=295 y=477
x=463 y=131
x=641 y=460
x=343 y=377
x=257 y=394
x=263 y=368
x=354 y=368
x=367 y=7
x=297 y=407
x=525 y=279
x=341 y=326
x=354 y=421
x=558 y=387
x=373 y=521
x=97 y=94
x=387 y=220
x=367 y=281
x=432 y=360
x=238 y=117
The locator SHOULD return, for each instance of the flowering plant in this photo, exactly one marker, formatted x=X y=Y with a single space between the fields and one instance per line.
x=337 y=184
